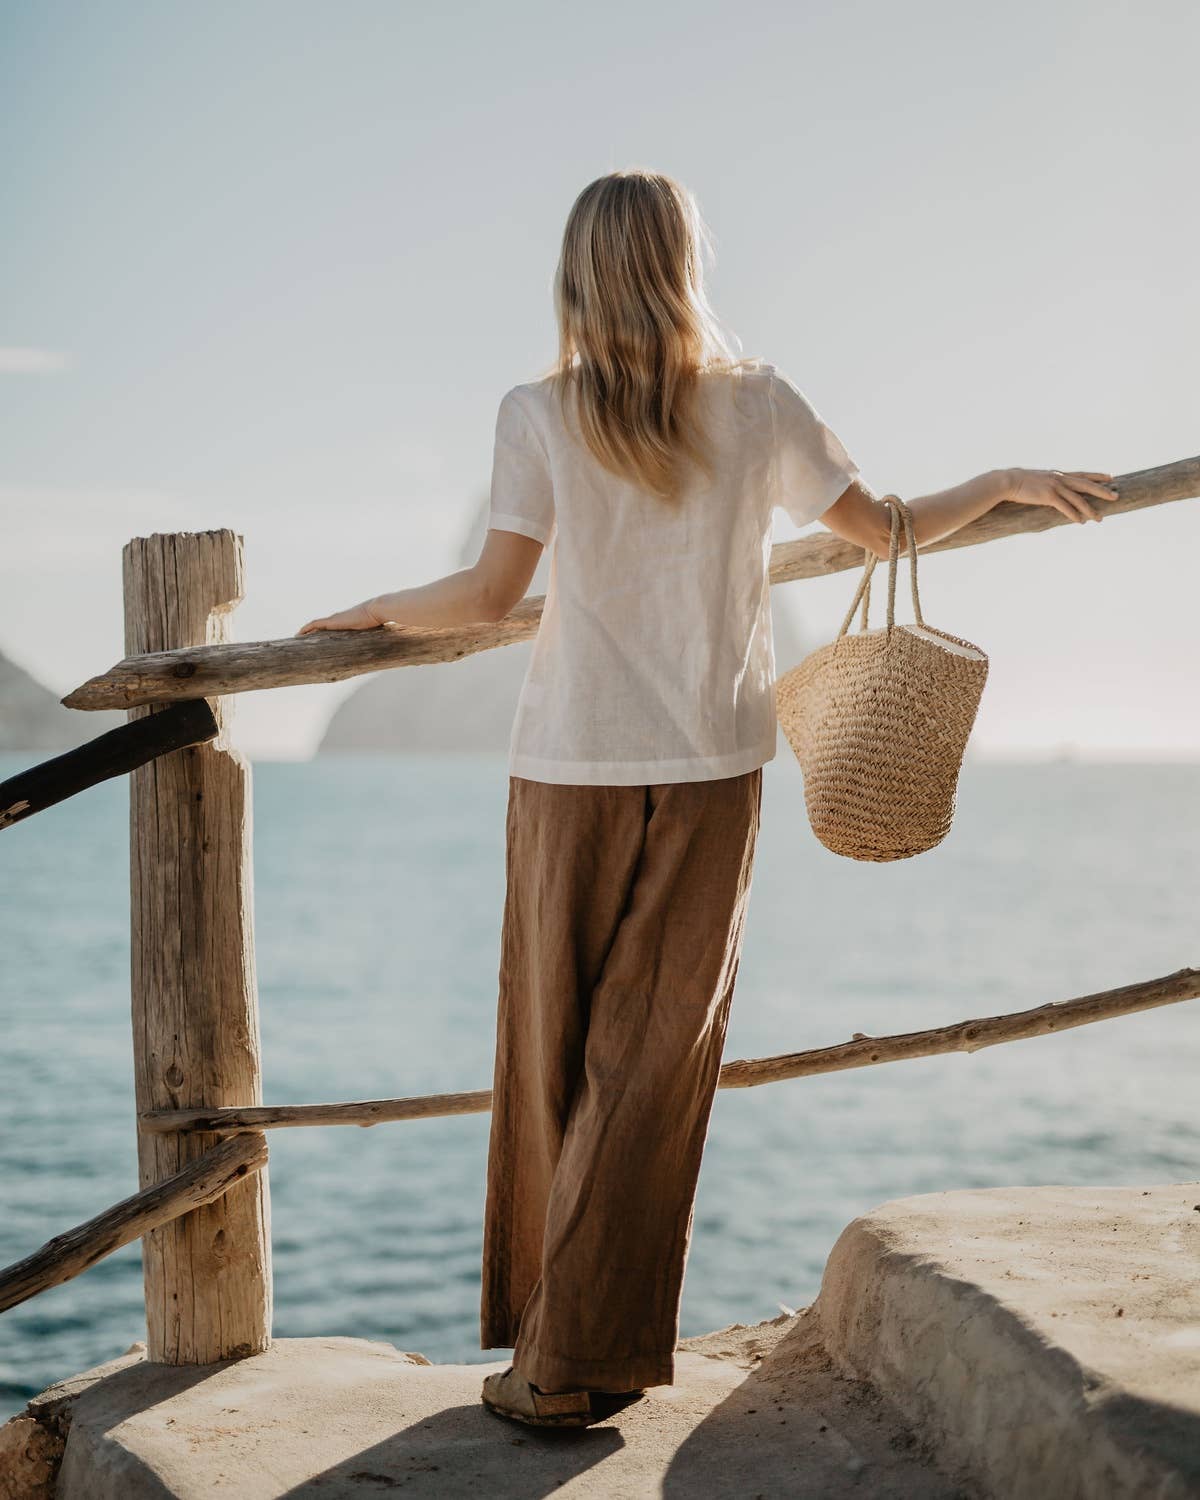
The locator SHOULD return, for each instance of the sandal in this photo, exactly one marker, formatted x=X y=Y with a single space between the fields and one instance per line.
x=511 y=1395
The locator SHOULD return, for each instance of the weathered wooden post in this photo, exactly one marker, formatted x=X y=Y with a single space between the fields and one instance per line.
x=195 y=1001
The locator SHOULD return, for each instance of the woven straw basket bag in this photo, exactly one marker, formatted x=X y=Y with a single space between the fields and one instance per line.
x=879 y=721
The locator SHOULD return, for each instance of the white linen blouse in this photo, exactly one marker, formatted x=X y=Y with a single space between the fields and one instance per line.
x=654 y=659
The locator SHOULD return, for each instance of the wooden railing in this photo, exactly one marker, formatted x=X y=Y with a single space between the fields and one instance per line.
x=202 y=1211
x=160 y=675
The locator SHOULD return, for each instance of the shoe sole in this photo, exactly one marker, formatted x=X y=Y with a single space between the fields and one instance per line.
x=567 y=1419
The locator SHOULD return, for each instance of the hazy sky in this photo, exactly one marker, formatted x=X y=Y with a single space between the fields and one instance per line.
x=272 y=266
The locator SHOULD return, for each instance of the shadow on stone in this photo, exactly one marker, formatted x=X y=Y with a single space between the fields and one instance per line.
x=464 y=1450
x=796 y=1426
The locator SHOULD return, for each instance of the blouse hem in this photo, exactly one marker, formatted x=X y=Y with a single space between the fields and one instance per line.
x=640 y=772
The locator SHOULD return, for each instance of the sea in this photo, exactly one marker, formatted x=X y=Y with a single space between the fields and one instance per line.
x=378 y=888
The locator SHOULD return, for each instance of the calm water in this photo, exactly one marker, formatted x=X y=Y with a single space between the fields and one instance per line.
x=378 y=892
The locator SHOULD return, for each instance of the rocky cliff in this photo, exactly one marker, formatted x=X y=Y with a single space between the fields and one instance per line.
x=32 y=718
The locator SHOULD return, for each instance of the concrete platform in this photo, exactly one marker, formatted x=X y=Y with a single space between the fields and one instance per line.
x=343 y=1417
x=1048 y=1339
x=1029 y=1344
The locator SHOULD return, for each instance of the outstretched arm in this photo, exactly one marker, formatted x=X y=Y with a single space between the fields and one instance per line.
x=861 y=518
x=484 y=592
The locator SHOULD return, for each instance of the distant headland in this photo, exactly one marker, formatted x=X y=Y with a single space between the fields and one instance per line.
x=32 y=718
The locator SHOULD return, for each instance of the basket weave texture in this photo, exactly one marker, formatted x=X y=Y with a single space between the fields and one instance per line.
x=879 y=721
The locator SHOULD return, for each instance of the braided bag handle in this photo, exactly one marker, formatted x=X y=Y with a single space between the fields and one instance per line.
x=900 y=515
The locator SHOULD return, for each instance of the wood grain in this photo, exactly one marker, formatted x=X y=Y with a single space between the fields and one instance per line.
x=195 y=1003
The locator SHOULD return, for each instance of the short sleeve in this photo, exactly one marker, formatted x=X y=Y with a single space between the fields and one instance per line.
x=811 y=467
x=522 y=497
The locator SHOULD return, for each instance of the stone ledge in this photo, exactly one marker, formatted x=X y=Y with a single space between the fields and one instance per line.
x=1045 y=1339
x=756 y=1411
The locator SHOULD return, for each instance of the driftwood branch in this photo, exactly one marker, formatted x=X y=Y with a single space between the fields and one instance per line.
x=363 y=1112
x=330 y=656
x=967 y=1036
x=201 y=1181
x=111 y=754
x=860 y=1052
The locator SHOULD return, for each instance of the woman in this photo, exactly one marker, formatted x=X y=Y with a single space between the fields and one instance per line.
x=653 y=459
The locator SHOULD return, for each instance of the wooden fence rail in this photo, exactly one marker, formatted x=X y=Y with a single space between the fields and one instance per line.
x=113 y=753
x=860 y=1052
x=202 y=1181
x=331 y=655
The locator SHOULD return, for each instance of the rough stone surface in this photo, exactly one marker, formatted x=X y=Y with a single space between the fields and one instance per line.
x=30 y=1454
x=1046 y=1338
x=756 y=1411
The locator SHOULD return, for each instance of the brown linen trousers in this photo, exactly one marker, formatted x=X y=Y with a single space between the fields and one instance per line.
x=622 y=934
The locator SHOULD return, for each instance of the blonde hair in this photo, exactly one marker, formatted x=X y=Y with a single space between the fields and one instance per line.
x=635 y=328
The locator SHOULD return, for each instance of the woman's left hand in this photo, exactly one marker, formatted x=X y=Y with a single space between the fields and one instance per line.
x=357 y=617
x=1071 y=491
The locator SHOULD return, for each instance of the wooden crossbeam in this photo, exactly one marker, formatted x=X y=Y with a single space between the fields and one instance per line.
x=331 y=655
x=111 y=754
x=202 y=1181
x=860 y=1052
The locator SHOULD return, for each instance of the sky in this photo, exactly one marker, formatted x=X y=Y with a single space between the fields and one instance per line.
x=272 y=266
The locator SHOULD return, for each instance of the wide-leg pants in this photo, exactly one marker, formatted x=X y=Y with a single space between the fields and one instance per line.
x=621 y=939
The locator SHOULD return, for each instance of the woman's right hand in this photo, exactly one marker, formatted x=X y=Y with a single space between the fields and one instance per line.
x=1071 y=492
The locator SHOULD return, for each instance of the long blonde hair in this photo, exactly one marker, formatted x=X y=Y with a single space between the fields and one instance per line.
x=635 y=328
